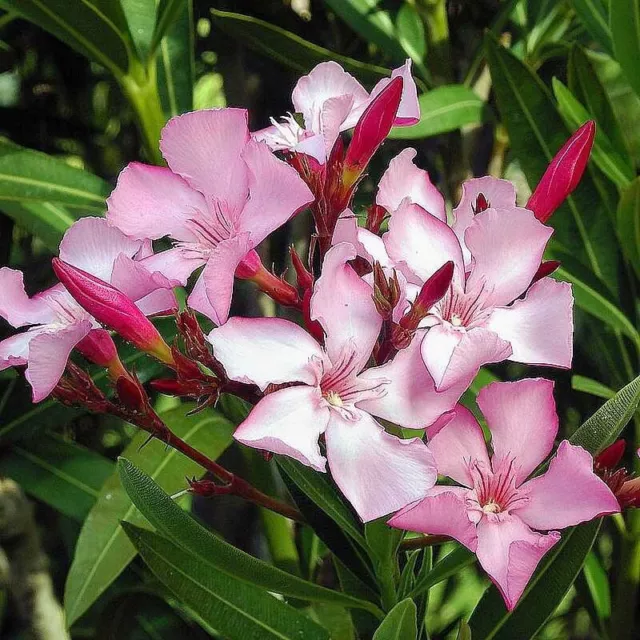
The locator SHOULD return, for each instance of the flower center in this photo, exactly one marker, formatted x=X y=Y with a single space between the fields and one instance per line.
x=456 y=320
x=491 y=507
x=334 y=399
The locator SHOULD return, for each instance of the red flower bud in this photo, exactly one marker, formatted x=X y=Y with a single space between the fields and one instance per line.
x=131 y=394
x=611 y=456
x=545 y=269
x=372 y=129
x=386 y=293
x=251 y=268
x=305 y=279
x=98 y=347
x=482 y=204
x=563 y=173
x=112 y=308
x=375 y=216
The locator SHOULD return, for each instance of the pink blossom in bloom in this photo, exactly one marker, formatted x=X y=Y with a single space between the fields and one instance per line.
x=56 y=322
x=329 y=392
x=497 y=307
x=495 y=511
x=330 y=100
x=221 y=195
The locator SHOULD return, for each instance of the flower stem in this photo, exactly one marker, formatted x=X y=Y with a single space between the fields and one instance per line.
x=423 y=541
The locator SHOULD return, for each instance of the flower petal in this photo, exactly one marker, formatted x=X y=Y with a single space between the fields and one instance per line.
x=422 y=242
x=276 y=192
x=523 y=422
x=409 y=109
x=266 y=351
x=404 y=180
x=15 y=305
x=175 y=264
x=288 y=422
x=457 y=444
x=540 y=326
x=410 y=398
x=568 y=493
x=442 y=512
x=368 y=245
x=14 y=350
x=152 y=202
x=506 y=246
x=510 y=552
x=377 y=472
x=48 y=355
x=343 y=305
x=204 y=147
x=454 y=357
x=212 y=292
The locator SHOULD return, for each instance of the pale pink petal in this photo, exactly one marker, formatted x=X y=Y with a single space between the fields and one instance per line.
x=288 y=422
x=453 y=357
x=368 y=245
x=422 y=242
x=332 y=117
x=523 y=422
x=442 y=512
x=93 y=246
x=312 y=145
x=15 y=305
x=152 y=292
x=506 y=246
x=326 y=80
x=404 y=180
x=152 y=202
x=14 y=351
x=272 y=137
x=212 y=292
x=409 y=110
x=176 y=264
x=410 y=398
x=500 y=194
x=204 y=147
x=510 y=552
x=48 y=355
x=540 y=326
x=276 y=192
x=342 y=303
x=459 y=444
x=568 y=493
x=266 y=351
x=377 y=472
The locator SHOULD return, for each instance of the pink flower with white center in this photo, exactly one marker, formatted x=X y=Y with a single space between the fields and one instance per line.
x=331 y=100
x=329 y=391
x=496 y=307
x=221 y=195
x=496 y=512
x=56 y=322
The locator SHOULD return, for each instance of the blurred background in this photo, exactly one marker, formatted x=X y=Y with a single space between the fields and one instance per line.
x=502 y=85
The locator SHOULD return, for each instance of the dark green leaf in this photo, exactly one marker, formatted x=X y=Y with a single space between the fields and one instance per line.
x=593 y=15
x=168 y=13
x=628 y=224
x=597 y=583
x=286 y=47
x=536 y=132
x=141 y=17
x=103 y=551
x=337 y=620
x=236 y=609
x=624 y=21
x=443 y=569
x=442 y=110
x=175 y=524
x=96 y=28
x=400 y=624
x=63 y=475
x=593 y=387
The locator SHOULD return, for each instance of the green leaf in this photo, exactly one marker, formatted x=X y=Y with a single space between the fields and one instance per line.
x=373 y=23
x=401 y=623
x=628 y=224
x=609 y=161
x=95 y=28
x=593 y=387
x=411 y=35
x=551 y=581
x=624 y=21
x=175 y=524
x=598 y=585
x=537 y=132
x=442 y=110
x=286 y=47
x=175 y=56
x=593 y=15
x=141 y=17
x=236 y=609
x=443 y=569
x=59 y=473
x=605 y=425
x=103 y=551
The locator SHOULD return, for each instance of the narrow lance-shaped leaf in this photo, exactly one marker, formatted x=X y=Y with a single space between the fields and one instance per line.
x=593 y=15
x=624 y=21
x=628 y=224
x=400 y=624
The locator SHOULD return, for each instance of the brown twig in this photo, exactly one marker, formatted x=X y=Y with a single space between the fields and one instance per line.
x=424 y=541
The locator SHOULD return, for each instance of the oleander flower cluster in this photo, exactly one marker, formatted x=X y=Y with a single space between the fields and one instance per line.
x=382 y=328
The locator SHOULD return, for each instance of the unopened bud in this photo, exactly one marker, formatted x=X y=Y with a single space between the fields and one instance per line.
x=251 y=268
x=563 y=173
x=131 y=394
x=610 y=457
x=112 y=308
x=304 y=277
x=386 y=292
x=545 y=269
x=98 y=347
x=375 y=216
x=482 y=204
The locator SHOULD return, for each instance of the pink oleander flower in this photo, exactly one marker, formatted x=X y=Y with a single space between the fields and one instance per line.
x=330 y=392
x=496 y=511
x=56 y=322
x=497 y=306
x=330 y=100
x=222 y=194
